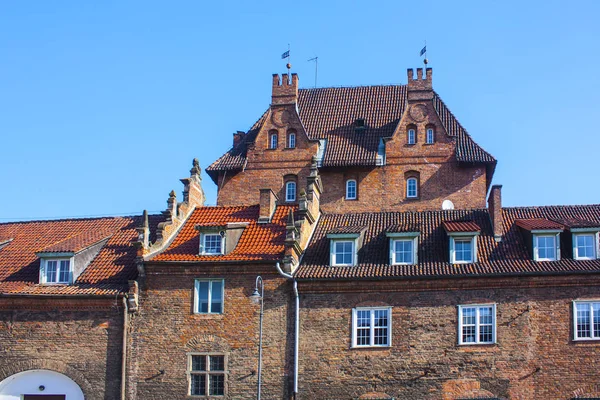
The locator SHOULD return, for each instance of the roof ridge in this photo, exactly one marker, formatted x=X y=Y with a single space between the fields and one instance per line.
x=356 y=86
x=551 y=206
x=406 y=212
x=73 y=219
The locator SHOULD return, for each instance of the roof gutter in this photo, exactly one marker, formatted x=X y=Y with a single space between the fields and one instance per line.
x=296 y=324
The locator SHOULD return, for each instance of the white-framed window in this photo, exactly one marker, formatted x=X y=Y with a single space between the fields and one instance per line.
x=411 y=137
x=477 y=324
x=207 y=374
x=586 y=319
x=463 y=249
x=343 y=252
x=430 y=137
x=291 y=140
x=351 y=189
x=290 y=191
x=545 y=247
x=212 y=243
x=56 y=271
x=273 y=141
x=209 y=296
x=372 y=327
x=403 y=251
x=412 y=190
x=585 y=246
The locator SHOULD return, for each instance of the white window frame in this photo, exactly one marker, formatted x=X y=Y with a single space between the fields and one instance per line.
x=591 y=310
x=539 y=234
x=463 y=236
x=273 y=140
x=477 y=323
x=403 y=236
x=348 y=182
x=416 y=194
x=289 y=198
x=203 y=243
x=291 y=144
x=411 y=136
x=430 y=136
x=196 y=296
x=43 y=278
x=333 y=258
x=585 y=232
x=371 y=327
x=207 y=373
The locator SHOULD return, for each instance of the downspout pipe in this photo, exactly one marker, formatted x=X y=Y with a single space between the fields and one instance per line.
x=124 y=348
x=296 y=324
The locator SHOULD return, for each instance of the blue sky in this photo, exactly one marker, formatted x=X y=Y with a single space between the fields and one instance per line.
x=103 y=105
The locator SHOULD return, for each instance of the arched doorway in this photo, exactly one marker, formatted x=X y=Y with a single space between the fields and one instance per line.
x=39 y=384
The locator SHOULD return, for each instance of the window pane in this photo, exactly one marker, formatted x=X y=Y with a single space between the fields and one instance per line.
x=217 y=385
x=64 y=271
x=217 y=363
x=292 y=140
x=485 y=315
x=343 y=252
x=596 y=314
x=583 y=320
x=351 y=189
x=485 y=334
x=216 y=295
x=198 y=363
x=468 y=334
x=411 y=187
x=51 y=267
x=212 y=244
x=290 y=191
x=546 y=247
x=585 y=246
x=468 y=316
x=411 y=136
x=404 y=251
x=381 y=327
x=198 y=385
x=203 y=297
x=463 y=250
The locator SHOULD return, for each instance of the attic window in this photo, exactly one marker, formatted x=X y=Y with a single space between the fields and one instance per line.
x=56 y=271
x=212 y=243
x=463 y=241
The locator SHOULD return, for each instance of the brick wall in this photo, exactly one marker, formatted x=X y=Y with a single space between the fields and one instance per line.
x=166 y=330
x=534 y=358
x=80 y=338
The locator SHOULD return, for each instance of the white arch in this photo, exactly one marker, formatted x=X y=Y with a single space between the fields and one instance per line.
x=29 y=382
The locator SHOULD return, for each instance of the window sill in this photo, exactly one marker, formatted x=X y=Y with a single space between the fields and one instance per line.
x=587 y=340
x=208 y=315
x=428 y=144
x=475 y=347
x=347 y=199
x=411 y=199
x=370 y=347
x=289 y=148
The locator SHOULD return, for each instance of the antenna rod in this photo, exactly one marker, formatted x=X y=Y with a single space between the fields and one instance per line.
x=316 y=60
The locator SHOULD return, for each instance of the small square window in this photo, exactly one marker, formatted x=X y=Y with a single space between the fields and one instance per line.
x=212 y=243
x=56 y=271
x=477 y=324
x=545 y=247
x=403 y=251
x=207 y=374
x=584 y=246
x=586 y=316
x=209 y=295
x=342 y=252
x=463 y=249
x=372 y=327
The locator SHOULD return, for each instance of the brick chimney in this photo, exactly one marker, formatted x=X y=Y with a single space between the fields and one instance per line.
x=420 y=88
x=267 y=203
x=238 y=137
x=284 y=91
x=495 y=209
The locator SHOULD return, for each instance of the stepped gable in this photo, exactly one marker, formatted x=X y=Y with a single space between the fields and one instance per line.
x=507 y=257
x=330 y=113
x=258 y=242
x=106 y=275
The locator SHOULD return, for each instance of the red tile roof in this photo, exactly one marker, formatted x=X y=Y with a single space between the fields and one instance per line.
x=532 y=224
x=461 y=226
x=107 y=273
x=347 y=229
x=329 y=113
x=508 y=257
x=258 y=241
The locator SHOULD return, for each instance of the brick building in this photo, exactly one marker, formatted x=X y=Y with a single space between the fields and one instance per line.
x=390 y=270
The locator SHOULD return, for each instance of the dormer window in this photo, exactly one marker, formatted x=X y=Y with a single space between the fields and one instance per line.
x=56 y=271
x=212 y=244
x=273 y=140
x=430 y=136
x=344 y=244
x=463 y=241
x=542 y=236
x=342 y=252
x=545 y=247
x=411 y=137
x=585 y=246
x=403 y=247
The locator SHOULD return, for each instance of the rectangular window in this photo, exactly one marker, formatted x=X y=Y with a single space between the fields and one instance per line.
x=429 y=139
x=343 y=252
x=411 y=136
x=463 y=250
x=372 y=327
x=403 y=251
x=209 y=296
x=587 y=320
x=477 y=324
x=545 y=246
x=584 y=247
x=207 y=374
x=212 y=244
x=57 y=271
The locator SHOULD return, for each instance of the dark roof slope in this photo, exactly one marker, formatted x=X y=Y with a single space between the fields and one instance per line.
x=330 y=113
x=107 y=273
x=509 y=257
